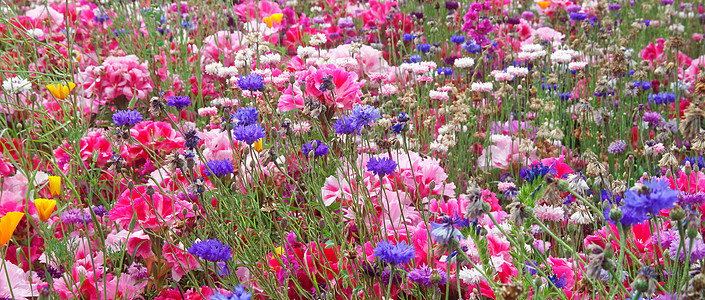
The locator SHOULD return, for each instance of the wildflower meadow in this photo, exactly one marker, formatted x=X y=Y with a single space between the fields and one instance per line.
x=352 y=149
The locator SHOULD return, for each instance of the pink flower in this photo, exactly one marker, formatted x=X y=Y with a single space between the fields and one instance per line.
x=653 y=53
x=180 y=261
x=291 y=99
x=504 y=150
x=563 y=269
x=550 y=34
x=117 y=76
x=251 y=10
x=345 y=86
x=93 y=146
x=15 y=282
x=370 y=60
x=152 y=137
x=221 y=43
x=136 y=202
x=218 y=145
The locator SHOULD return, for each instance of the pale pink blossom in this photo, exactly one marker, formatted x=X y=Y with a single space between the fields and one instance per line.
x=117 y=76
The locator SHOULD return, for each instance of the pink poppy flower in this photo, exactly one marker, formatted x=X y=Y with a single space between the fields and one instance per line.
x=16 y=282
x=180 y=261
x=165 y=212
x=117 y=76
x=152 y=137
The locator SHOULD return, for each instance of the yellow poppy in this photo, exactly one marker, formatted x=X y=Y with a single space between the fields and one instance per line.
x=55 y=185
x=273 y=18
x=544 y=4
x=279 y=251
x=45 y=207
x=8 y=223
x=258 y=145
x=61 y=91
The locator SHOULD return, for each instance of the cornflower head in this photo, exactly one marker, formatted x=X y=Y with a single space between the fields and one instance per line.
x=248 y=133
x=446 y=229
x=219 y=167
x=252 y=82
x=126 y=118
x=400 y=253
x=381 y=166
x=649 y=197
x=365 y=115
x=239 y=293
x=211 y=250
x=316 y=147
x=536 y=171
x=347 y=125
x=424 y=276
x=245 y=116
x=178 y=102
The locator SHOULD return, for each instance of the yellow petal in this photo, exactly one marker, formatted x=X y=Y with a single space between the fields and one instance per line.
x=55 y=185
x=8 y=223
x=45 y=207
x=277 y=17
x=61 y=91
x=269 y=21
x=544 y=4
x=279 y=251
x=258 y=145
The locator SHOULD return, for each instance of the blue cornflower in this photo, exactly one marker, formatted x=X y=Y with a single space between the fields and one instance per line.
x=423 y=48
x=422 y=276
x=647 y=22
x=400 y=253
x=695 y=160
x=99 y=210
x=531 y=267
x=346 y=125
x=248 y=133
x=662 y=98
x=458 y=39
x=399 y=127
x=558 y=282
x=408 y=37
x=239 y=293
x=536 y=171
x=576 y=16
x=472 y=47
x=565 y=96
x=445 y=71
x=403 y=117
x=102 y=18
x=179 y=101
x=219 y=167
x=651 y=198
x=126 y=117
x=415 y=58
x=191 y=140
x=252 y=82
x=645 y=85
x=326 y=84
x=223 y=269
x=211 y=250
x=381 y=166
x=365 y=114
x=446 y=229
x=319 y=150
x=245 y=116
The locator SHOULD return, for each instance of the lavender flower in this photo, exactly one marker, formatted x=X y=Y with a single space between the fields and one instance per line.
x=446 y=230
x=179 y=101
x=211 y=250
x=381 y=166
x=75 y=216
x=400 y=253
x=239 y=293
x=99 y=210
x=346 y=125
x=126 y=117
x=653 y=118
x=246 y=116
x=319 y=149
x=617 y=147
x=364 y=115
x=653 y=196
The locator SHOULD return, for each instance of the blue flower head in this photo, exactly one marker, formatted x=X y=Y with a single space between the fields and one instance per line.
x=179 y=101
x=472 y=47
x=219 y=167
x=423 y=48
x=319 y=150
x=347 y=125
x=211 y=250
x=381 y=166
x=408 y=37
x=558 y=282
x=536 y=171
x=252 y=82
x=245 y=116
x=650 y=198
x=458 y=39
x=446 y=229
x=248 y=133
x=415 y=58
x=400 y=253
x=239 y=293
x=365 y=115
x=126 y=117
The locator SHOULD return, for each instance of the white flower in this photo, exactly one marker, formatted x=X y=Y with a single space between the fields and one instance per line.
x=464 y=62
x=16 y=85
x=518 y=71
x=318 y=39
x=561 y=56
x=481 y=86
x=531 y=48
x=304 y=52
x=471 y=277
x=271 y=59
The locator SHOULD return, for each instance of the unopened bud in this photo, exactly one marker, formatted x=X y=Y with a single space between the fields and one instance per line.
x=616 y=214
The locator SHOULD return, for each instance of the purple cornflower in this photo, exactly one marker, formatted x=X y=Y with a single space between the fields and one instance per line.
x=191 y=140
x=252 y=82
x=617 y=147
x=318 y=150
x=422 y=276
x=653 y=118
x=400 y=253
x=219 y=167
x=578 y=16
x=387 y=276
x=573 y=8
x=452 y=5
x=246 y=116
x=423 y=48
x=347 y=125
x=99 y=210
x=558 y=282
x=249 y=133
x=239 y=293
x=211 y=250
x=692 y=199
x=179 y=101
x=614 y=6
x=75 y=216
x=528 y=15
x=445 y=71
x=381 y=166
x=51 y=272
x=666 y=2
x=126 y=117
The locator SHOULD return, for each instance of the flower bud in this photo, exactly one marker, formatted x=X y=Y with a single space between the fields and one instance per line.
x=677 y=213
x=616 y=214
x=692 y=232
x=640 y=284
x=486 y=207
